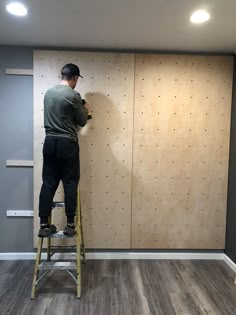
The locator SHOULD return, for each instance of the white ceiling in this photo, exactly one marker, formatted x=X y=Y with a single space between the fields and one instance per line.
x=122 y=24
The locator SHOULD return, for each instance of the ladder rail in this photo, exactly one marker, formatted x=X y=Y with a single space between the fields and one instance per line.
x=54 y=264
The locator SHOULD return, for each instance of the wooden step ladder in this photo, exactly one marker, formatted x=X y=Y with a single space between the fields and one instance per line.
x=68 y=265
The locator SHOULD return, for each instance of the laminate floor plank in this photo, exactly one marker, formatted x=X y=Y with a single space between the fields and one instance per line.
x=197 y=289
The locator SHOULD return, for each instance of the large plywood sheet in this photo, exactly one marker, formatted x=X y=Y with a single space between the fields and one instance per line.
x=179 y=143
x=180 y=151
x=105 y=142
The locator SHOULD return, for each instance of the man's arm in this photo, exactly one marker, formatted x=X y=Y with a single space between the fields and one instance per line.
x=81 y=112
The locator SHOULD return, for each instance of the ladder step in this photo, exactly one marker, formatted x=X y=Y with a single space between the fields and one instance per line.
x=57 y=265
x=64 y=247
x=60 y=234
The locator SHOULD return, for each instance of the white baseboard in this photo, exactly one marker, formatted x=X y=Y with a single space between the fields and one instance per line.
x=153 y=255
x=128 y=255
x=17 y=256
x=230 y=263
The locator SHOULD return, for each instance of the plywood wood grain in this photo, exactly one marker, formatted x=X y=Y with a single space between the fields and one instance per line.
x=181 y=148
x=105 y=142
x=154 y=158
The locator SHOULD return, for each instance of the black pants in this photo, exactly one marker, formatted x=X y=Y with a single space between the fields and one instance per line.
x=60 y=162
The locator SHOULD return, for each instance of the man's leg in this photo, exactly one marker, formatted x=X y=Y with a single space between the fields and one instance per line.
x=48 y=189
x=70 y=173
x=70 y=190
x=51 y=179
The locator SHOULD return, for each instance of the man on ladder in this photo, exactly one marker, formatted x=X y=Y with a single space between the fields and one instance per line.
x=64 y=111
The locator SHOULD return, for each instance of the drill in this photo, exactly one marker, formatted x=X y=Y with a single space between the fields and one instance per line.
x=89 y=114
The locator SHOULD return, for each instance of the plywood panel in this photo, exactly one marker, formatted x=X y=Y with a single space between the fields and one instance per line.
x=180 y=154
x=105 y=142
x=180 y=145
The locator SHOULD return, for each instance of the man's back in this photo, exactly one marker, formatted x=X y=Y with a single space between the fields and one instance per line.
x=63 y=112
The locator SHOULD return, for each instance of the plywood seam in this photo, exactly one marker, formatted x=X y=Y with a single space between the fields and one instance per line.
x=132 y=167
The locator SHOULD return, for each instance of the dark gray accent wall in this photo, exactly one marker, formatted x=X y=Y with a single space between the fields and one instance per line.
x=16 y=143
x=230 y=246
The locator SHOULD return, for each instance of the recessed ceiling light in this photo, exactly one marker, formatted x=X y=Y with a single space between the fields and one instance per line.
x=17 y=8
x=200 y=16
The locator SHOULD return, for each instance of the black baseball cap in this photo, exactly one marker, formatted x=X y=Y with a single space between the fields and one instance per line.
x=70 y=70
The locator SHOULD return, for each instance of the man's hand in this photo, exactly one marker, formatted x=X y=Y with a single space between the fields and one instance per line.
x=87 y=106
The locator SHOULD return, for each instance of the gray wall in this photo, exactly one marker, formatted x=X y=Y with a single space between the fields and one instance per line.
x=16 y=143
x=230 y=246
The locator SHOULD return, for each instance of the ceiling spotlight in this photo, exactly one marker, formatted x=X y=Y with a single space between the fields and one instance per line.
x=17 y=8
x=200 y=16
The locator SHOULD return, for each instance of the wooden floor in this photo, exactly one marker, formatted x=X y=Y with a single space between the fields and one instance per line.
x=124 y=287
